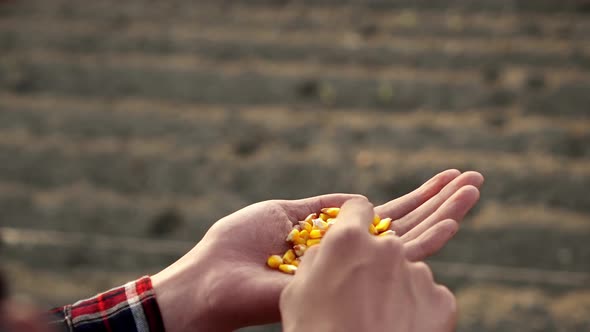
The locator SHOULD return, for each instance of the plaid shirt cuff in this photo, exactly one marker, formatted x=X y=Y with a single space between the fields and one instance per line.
x=131 y=308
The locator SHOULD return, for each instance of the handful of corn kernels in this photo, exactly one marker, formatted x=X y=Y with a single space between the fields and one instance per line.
x=309 y=233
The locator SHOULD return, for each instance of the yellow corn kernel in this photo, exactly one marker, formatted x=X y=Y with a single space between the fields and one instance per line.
x=305 y=226
x=376 y=220
x=288 y=268
x=387 y=232
x=289 y=256
x=297 y=227
x=299 y=249
x=300 y=240
x=324 y=216
x=316 y=234
x=313 y=242
x=373 y=230
x=320 y=224
x=293 y=235
x=274 y=261
x=304 y=234
x=310 y=218
x=331 y=212
x=383 y=225
x=296 y=262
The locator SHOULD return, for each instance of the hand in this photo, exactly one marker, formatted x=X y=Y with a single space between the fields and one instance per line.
x=223 y=283
x=427 y=218
x=355 y=281
x=19 y=316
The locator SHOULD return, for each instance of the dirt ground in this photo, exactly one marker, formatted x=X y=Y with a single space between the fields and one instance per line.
x=128 y=128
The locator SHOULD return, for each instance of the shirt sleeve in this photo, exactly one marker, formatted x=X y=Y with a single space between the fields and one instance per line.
x=131 y=307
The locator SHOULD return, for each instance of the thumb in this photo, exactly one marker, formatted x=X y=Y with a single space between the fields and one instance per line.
x=356 y=213
x=351 y=227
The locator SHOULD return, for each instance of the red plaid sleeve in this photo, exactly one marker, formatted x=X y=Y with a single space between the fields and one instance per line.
x=131 y=307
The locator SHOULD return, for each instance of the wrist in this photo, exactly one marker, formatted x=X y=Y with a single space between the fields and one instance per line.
x=183 y=294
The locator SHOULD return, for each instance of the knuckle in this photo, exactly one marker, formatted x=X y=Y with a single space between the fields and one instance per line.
x=424 y=271
x=445 y=293
x=420 y=267
x=348 y=235
x=391 y=246
x=360 y=200
x=348 y=240
x=360 y=197
x=396 y=244
x=447 y=298
x=385 y=252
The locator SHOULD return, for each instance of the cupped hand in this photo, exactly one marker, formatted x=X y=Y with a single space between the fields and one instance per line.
x=224 y=280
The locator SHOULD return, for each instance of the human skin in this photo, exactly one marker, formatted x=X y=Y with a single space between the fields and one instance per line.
x=358 y=282
x=223 y=283
x=17 y=316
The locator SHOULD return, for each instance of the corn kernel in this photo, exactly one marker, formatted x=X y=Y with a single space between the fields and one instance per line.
x=376 y=220
x=299 y=249
x=311 y=217
x=373 y=230
x=312 y=242
x=383 y=225
x=289 y=256
x=305 y=226
x=320 y=223
x=274 y=261
x=331 y=212
x=309 y=232
x=304 y=234
x=288 y=268
x=316 y=234
x=300 y=241
x=293 y=235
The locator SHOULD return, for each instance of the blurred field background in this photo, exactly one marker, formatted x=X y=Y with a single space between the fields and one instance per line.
x=128 y=127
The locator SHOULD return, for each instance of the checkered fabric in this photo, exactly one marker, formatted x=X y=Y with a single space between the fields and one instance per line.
x=129 y=308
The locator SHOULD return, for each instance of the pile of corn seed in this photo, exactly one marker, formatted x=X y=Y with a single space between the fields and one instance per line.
x=309 y=233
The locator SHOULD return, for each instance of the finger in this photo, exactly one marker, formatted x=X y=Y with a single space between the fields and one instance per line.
x=301 y=208
x=408 y=222
x=307 y=261
x=422 y=279
x=422 y=273
x=390 y=250
x=454 y=208
x=354 y=219
x=431 y=241
x=355 y=213
x=401 y=206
